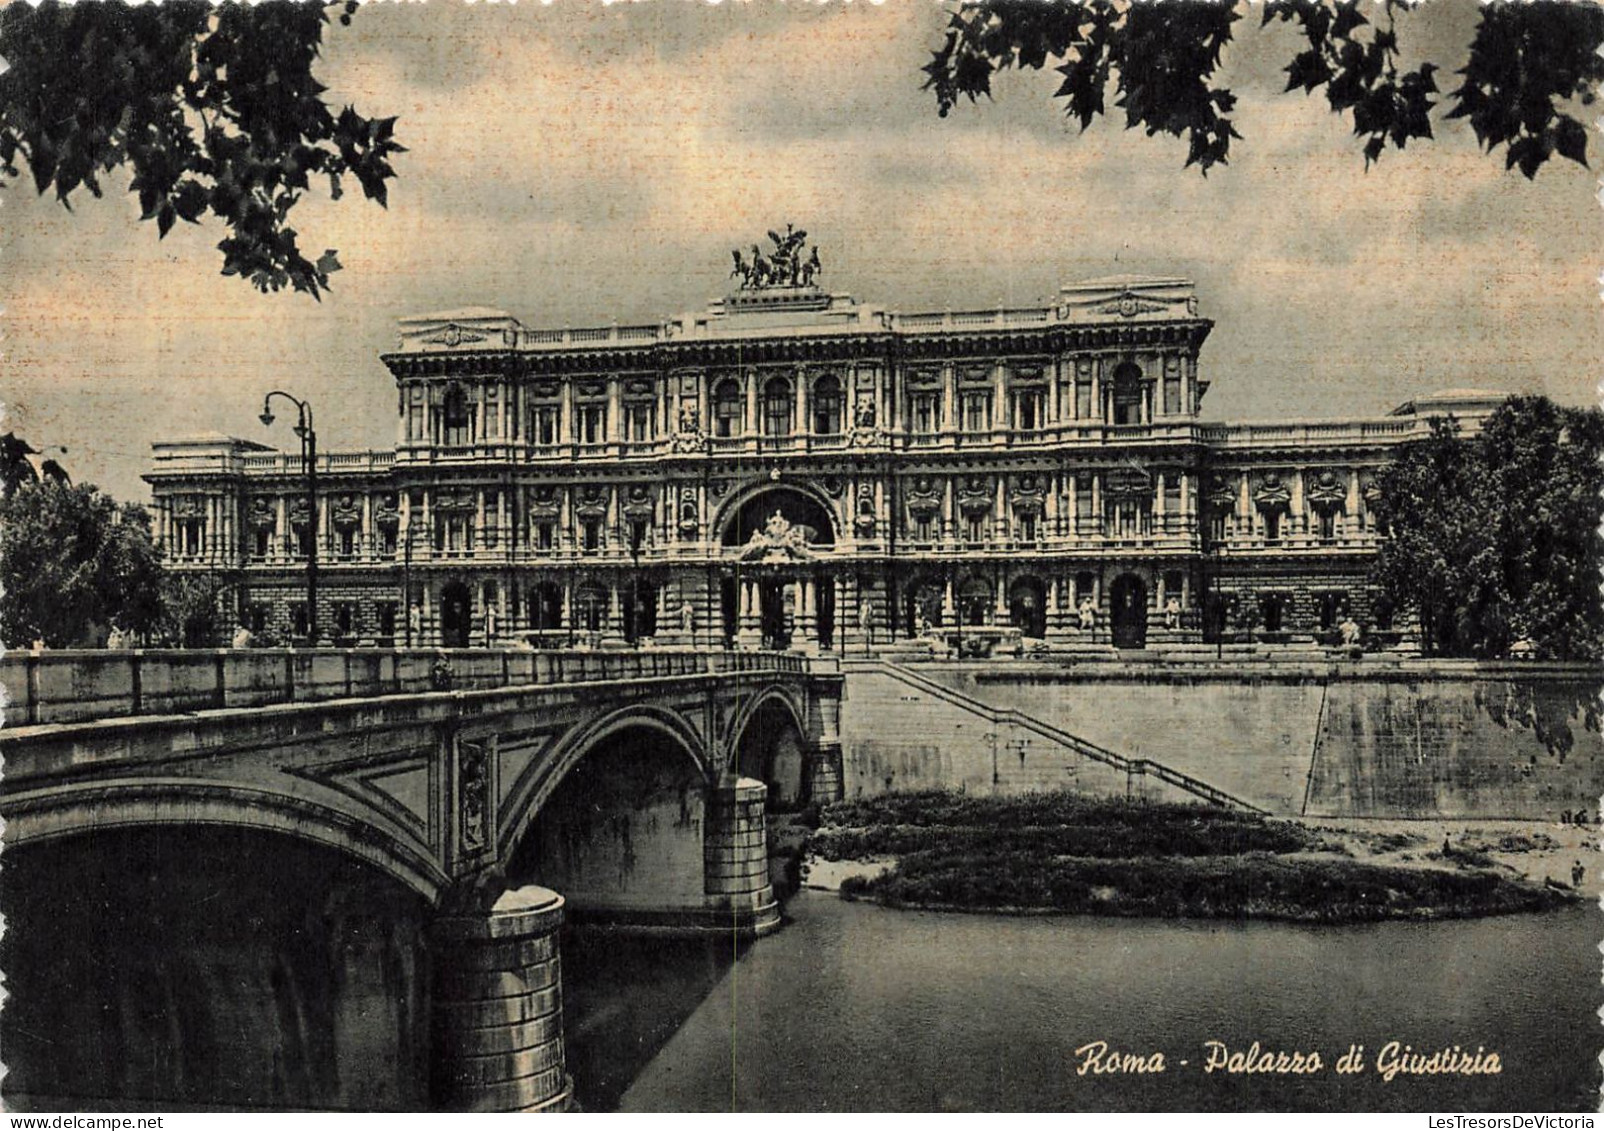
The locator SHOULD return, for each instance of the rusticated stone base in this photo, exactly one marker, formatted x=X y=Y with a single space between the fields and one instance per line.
x=736 y=851
x=497 y=1029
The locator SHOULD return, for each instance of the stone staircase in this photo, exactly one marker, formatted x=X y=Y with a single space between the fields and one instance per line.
x=1131 y=767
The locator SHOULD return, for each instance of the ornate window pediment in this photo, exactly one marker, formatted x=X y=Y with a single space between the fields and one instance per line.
x=975 y=495
x=345 y=512
x=262 y=514
x=1127 y=483
x=923 y=496
x=298 y=512
x=1327 y=491
x=638 y=501
x=1028 y=495
x=461 y=499
x=1272 y=494
x=1221 y=495
x=591 y=501
x=543 y=501
x=387 y=514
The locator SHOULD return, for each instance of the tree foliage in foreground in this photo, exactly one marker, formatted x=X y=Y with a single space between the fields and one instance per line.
x=211 y=109
x=1524 y=63
x=1493 y=538
x=71 y=560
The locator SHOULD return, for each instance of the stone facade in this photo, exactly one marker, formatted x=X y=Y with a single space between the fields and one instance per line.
x=793 y=468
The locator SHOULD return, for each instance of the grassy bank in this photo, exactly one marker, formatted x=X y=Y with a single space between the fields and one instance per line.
x=1066 y=853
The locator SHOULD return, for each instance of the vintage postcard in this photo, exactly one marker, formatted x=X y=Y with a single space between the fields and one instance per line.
x=678 y=557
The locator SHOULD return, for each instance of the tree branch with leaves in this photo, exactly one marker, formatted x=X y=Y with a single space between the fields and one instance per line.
x=1527 y=63
x=213 y=110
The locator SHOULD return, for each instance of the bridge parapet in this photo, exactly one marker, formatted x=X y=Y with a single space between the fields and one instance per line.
x=80 y=685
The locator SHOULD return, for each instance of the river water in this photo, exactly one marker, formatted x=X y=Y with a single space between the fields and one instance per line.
x=854 y=1007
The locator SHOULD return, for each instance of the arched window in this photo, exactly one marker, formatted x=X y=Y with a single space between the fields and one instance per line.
x=827 y=406
x=727 y=408
x=778 y=405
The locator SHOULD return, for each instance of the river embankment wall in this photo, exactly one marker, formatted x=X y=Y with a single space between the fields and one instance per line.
x=1419 y=739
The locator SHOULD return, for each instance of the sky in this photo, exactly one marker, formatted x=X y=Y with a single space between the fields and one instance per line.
x=579 y=163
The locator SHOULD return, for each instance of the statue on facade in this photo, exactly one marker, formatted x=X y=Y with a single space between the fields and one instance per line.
x=242 y=637
x=687 y=618
x=491 y=624
x=1172 y=613
x=1088 y=614
x=779 y=540
x=1350 y=631
x=415 y=621
x=782 y=266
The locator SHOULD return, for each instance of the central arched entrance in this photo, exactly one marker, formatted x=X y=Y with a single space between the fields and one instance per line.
x=797 y=507
x=1127 y=613
x=456 y=615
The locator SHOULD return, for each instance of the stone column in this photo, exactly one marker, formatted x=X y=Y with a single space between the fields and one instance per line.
x=1350 y=514
x=749 y=626
x=800 y=428
x=496 y=1040
x=806 y=637
x=735 y=853
x=949 y=402
x=615 y=413
x=751 y=403
x=949 y=605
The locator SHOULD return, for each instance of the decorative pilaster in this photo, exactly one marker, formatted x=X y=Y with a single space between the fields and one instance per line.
x=496 y=1018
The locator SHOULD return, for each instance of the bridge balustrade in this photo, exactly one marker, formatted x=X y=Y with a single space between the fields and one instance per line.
x=76 y=686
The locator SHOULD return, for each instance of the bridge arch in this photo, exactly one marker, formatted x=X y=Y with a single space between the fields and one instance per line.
x=767 y=743
x=120 y=804
x=212 y=964
x=620 y=825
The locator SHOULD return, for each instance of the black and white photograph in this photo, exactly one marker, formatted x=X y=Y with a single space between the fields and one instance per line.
x=928 y=556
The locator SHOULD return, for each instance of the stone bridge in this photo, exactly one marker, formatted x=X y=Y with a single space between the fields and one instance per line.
x=475 y=785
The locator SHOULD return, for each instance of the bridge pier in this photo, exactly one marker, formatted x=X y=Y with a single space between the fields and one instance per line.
x=497 y=1023
x=736 y=855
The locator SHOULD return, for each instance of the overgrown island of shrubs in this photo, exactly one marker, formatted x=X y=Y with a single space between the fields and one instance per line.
x=1067 y=853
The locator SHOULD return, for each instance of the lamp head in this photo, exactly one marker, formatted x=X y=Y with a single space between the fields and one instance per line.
x=267 y=418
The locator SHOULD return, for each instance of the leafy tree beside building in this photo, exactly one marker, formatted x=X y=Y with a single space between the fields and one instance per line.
x=1493 y=539
x=72 y=562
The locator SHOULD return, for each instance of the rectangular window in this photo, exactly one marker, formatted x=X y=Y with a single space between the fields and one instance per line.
x=1028 y=410
x=975 y=530
x=545 y=536
x=1172 y=394
x=415 y=429
x=543 y=424
x=640 y=421
x=926 y=412
x=264 y=537
x=592 y=531
x=977 y=411
x=1027 y=528
x=387 y=541
x=492 y=421
x=1083 y=399
x=637 y=533
x=386 y=617
x=922 y=529
x=347 y=542
x=592 y=423
x=1328 y=526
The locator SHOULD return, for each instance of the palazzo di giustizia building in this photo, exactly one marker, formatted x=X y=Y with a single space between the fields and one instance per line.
x=791 y=467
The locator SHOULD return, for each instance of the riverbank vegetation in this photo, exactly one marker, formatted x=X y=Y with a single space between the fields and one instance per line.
x=1063 y=852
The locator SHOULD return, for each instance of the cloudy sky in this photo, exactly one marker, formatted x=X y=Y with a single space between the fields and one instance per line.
x=579 y=164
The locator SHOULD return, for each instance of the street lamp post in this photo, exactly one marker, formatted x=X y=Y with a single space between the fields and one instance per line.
x=308 y=436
